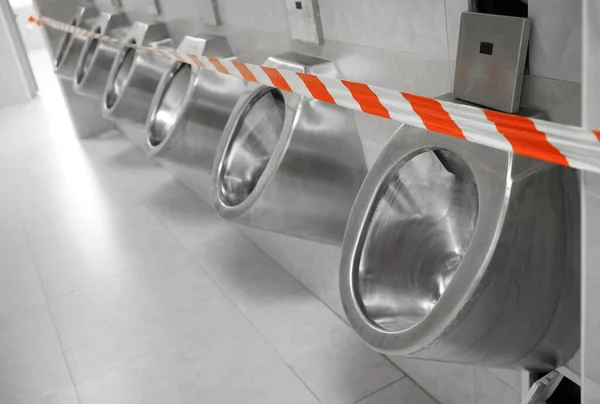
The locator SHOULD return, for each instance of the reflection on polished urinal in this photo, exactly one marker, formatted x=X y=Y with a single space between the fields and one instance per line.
x=191 y=106
x=69 y=49
x=97 y=57
x=289 y=164
x=462 y=253
x=134 y=75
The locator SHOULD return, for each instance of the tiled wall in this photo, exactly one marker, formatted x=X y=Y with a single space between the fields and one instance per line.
x=409 y=45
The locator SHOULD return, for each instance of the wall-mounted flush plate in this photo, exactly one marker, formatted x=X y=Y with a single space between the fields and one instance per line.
x=304 y=18
x=490 y=63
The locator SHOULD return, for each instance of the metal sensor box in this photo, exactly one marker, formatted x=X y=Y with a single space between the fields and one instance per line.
x=490 y=63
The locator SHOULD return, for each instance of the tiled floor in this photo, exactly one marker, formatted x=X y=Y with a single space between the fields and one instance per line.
x=118 y=285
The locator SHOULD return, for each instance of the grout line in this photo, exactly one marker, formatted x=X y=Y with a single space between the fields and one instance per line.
x=447 y=32
x=411 y=379
x=50 y=313
x=379 y=389
x=245 y=316
x=283 y=359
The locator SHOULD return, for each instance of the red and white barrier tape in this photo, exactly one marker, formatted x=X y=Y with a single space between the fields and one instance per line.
x=556 y=143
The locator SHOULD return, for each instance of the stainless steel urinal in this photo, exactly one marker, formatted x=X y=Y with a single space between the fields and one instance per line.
x=461 y=253
x=289 y=164
x=97 y=57
x=134 y=75
x=191 y=106
x=69 y=49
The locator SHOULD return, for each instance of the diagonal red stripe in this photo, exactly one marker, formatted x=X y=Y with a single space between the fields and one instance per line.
x=276 y=78
x=597 y=133
x=316 y=87
x=217 y=63
x=525 y=138
x=367 y=99
x=195 y=59
x=433 y=115
x=178 y=57
x=244 y=71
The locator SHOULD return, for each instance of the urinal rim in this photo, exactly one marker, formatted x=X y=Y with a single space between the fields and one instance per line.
x=173 y=135
x=114 y=70
x=243 y=106
x=105 y=24
x=492 y=209
x=139 y=34
x=66 y=41
x=81 y=62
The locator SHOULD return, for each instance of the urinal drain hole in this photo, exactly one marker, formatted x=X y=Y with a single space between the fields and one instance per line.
x=251 y=146
x=123 y=69
x=420 y=227
x=88 y=57
x=170 y=106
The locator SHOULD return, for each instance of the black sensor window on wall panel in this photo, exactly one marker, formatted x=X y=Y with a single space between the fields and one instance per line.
x=486 y=48
x=298 y=5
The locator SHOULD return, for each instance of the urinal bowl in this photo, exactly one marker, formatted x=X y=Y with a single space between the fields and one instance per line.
x=70 y=46
x=461 y=253
x=191 y=106
x=96 y=57
x=289 y=164
x=134 y=75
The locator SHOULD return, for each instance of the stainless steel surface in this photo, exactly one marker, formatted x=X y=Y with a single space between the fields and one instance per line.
x=69 y=50
x=134 y=76
x=304 y=19
x=97 y=57
x=481 y=268
x=192 y=106
x=490 y=63
x=289 y=164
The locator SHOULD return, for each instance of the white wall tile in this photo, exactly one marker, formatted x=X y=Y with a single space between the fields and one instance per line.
x=266 y=15
x=454 y=9
x=415 y=27
x=555 y=45
x=560 y=99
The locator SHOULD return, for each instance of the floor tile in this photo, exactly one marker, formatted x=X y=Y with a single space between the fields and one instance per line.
x=447 y=382
x=96 y=244
x=333 y=362
x=19 y=283
x=509 y=376
x=112 y=322
x=32 y=366
x=68 y=396
x=250 y=277
x=186 y=215
x=230 y=363
x=404 y=391
x=490 y=390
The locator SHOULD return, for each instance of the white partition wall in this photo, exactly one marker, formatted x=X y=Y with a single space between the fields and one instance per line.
x=591 y=201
